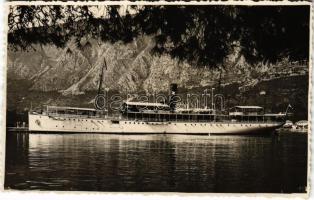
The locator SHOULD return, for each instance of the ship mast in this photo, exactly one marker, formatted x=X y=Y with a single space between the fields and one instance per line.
x=101 y=76
x=104 y=66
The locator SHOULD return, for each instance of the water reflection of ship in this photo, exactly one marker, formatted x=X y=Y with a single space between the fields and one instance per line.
x=147 y=117
x=152 y=162
x=159 y=161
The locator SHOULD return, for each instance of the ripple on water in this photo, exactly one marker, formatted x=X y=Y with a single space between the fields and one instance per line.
x=96 y=162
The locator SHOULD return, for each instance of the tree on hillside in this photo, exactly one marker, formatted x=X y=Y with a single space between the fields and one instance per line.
x=201 y=35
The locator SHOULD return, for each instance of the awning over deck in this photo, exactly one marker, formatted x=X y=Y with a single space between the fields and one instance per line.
x=248 y=107
x=68 y=108
x=146 y=104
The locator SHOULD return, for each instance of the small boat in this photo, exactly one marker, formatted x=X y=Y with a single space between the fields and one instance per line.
x=288 y=124
x=301 y=126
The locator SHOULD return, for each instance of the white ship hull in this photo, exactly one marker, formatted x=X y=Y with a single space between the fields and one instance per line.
x=44 y=123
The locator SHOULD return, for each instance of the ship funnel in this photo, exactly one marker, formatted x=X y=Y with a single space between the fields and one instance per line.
x=172 y=98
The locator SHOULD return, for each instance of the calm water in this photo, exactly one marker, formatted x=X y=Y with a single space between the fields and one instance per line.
x=96 y=162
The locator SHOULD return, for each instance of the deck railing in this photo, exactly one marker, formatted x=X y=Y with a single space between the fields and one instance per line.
x=178 y=117
x=175 y=117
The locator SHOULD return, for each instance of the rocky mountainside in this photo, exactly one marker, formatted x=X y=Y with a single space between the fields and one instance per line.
x=69 y=76
x=131 y=67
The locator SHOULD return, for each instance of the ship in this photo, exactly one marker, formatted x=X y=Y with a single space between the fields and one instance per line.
x=155 y=118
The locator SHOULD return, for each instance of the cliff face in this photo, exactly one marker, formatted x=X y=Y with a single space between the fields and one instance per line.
x=70 y=76
x=130 y=68
x=74 y=70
